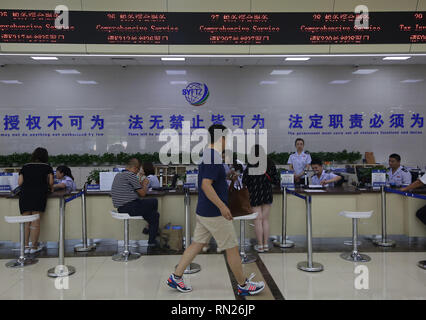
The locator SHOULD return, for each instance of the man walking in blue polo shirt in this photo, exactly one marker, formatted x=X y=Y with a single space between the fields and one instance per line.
x=214 y=218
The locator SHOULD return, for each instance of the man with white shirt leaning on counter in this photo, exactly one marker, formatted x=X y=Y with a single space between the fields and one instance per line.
x=421 y=213
x=321 y=177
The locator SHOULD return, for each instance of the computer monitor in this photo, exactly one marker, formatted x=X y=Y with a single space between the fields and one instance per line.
x=363 y=175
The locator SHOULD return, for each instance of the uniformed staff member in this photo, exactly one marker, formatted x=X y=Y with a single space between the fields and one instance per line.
x=397 y=174
x=321 y=177
x=300 y=160
x=421 y=213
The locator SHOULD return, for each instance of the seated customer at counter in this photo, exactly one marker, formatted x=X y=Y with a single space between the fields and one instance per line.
x=421 y=182
x=397 y=174
x=125 y=192
x=149 y=172
x=321 y=177
x=65 y=180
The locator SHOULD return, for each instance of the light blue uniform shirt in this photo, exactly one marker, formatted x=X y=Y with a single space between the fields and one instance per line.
x=299 y=161
x=153 y=181
x=401 y=177
x=324 y=176
x=69 y=183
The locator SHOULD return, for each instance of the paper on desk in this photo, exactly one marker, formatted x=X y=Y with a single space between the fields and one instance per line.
x=106 y=179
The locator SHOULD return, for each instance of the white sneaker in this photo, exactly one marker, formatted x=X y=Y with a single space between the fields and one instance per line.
x=266 y=248
x=38 y=249
x=27 y=250
x=258 y=248
x=205 y=249
x=250 y=287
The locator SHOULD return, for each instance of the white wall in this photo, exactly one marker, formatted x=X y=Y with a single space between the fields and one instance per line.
x=147 y=91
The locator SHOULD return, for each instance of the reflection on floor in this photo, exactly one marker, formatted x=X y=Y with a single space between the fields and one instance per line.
x=391 y=275
x=388 y=275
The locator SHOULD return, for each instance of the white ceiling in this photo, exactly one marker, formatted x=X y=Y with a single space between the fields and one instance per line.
x=361 y=60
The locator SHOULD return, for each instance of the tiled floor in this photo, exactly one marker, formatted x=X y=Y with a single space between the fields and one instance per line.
x=102 y=278
x=392 y=275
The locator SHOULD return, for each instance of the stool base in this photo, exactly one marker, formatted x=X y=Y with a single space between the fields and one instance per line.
x=286 y=244
x=126 y=256
x=19 y=263
x=60 y=271
x=350 y=243
x=192 y=268
x=247 y=258
x=357 y=257
x=422 y=264
x=81 y=248
x=316 y=267
x=387 y=243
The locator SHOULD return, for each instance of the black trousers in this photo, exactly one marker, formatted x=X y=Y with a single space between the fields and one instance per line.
x=421 y=214
x=148 y=209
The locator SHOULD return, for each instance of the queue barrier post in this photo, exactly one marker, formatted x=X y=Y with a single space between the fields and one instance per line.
x=384 y=241
x=309 y=265
x=284 y=243
x=84 y=246
x=61 y=270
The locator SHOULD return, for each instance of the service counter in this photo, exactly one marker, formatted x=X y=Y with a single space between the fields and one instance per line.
x=401 y=215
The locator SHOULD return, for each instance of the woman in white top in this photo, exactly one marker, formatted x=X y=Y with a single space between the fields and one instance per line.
x=300 y=160
x=65 y=180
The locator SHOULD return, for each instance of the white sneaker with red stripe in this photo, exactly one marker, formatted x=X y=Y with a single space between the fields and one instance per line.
x=178 y=284
x=251 y=287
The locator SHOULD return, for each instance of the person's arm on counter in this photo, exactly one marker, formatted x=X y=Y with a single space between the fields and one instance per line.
x=416 y=184
x=143 y=191
x=332 y=180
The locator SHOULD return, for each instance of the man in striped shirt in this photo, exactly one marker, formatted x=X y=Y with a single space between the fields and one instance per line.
x=126 y=193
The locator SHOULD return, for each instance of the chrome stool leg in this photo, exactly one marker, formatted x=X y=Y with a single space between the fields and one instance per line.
x=245 y=258
x=355 y=256
x=126 y=255
x=22 y=261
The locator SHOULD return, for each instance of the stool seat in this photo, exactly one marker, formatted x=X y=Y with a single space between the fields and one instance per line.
x=356 y=215
x=125 y=255
x=355 y=256
x=124 y=216
x=247 y=217
x=22 y=219
x=22 y=261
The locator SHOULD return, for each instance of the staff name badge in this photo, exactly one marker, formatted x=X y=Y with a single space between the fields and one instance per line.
x=378 y=178
x=287 y=179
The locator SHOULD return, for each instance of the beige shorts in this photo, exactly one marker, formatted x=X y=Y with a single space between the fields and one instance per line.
x=221 y=229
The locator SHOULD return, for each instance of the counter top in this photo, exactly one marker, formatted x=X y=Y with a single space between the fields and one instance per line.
x=324 y=191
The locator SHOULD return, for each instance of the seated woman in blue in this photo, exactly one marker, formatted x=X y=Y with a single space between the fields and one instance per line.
x=149 y=171
x=64 y=179
x=321 y=177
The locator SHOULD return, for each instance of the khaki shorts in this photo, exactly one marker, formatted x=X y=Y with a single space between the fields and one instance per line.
x=221 y=229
